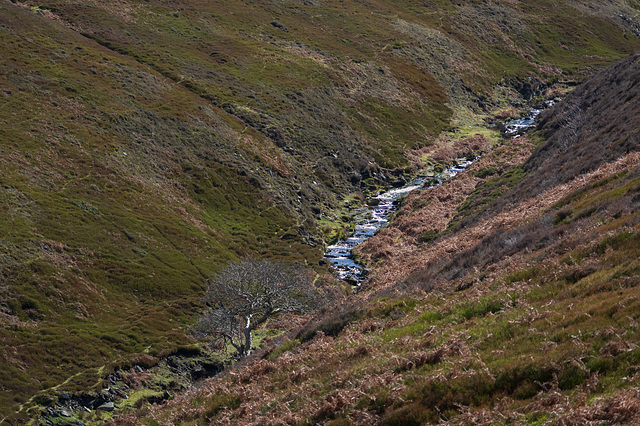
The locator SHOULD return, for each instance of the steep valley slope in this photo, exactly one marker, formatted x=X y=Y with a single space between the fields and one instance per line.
x=145 y=144
x=519 y=306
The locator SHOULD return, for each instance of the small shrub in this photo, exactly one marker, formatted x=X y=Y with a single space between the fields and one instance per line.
x=189 y=350
x=480 y=309
x=43 y=400
x=576 y=274
x=431 y=317
x=428 y=236
x=29 y=303
x=562 y=216
x=330 y=326
x=16 y=309
x=436 y=399
x=411 y=415
x=145 y=361
x=420 y=358
x=139 y=251
x=339 y=422
x=486 y=172
x=571 y=376
x=219 y=402
x=601 y=365
x=523 y=381
x=620 y=241
x=395 y=309
x=377 y=403
x=523 y=275
x=86 y=207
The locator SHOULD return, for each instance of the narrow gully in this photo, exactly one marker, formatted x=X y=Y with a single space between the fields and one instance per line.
x=340 y=254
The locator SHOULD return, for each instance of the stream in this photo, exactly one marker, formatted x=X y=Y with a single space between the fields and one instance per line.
x=516 y=128
x=340 y=254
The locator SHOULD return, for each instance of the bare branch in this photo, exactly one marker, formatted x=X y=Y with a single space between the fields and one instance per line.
x=251 y=289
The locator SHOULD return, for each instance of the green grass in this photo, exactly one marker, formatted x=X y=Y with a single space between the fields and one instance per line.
x=527 y=336
x=159 y=144
x=109 y=238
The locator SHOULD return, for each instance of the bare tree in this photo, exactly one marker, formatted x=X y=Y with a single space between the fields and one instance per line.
x=249 y=292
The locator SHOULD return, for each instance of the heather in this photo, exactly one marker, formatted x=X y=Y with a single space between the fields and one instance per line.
x=519 y=315
x=147 y=145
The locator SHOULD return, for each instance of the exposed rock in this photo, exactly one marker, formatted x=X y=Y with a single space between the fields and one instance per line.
x=63 y=396
x=397 y=183
x=279 y=26
x=107 y=406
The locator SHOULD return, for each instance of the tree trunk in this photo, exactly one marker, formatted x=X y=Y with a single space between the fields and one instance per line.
x=247 y=337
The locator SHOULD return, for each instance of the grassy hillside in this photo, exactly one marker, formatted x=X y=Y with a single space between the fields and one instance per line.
x=526 y=312
x=144 y=144
x=120 y=192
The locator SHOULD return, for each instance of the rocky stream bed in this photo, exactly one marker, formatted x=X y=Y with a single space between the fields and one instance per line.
x=377 y=216
x=369 y=220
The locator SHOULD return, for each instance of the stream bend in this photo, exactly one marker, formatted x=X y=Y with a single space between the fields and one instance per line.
x=340 y=254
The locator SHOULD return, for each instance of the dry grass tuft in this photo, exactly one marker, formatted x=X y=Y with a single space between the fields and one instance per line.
x=616 y=347
x=622 y=408
x=446 y=150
